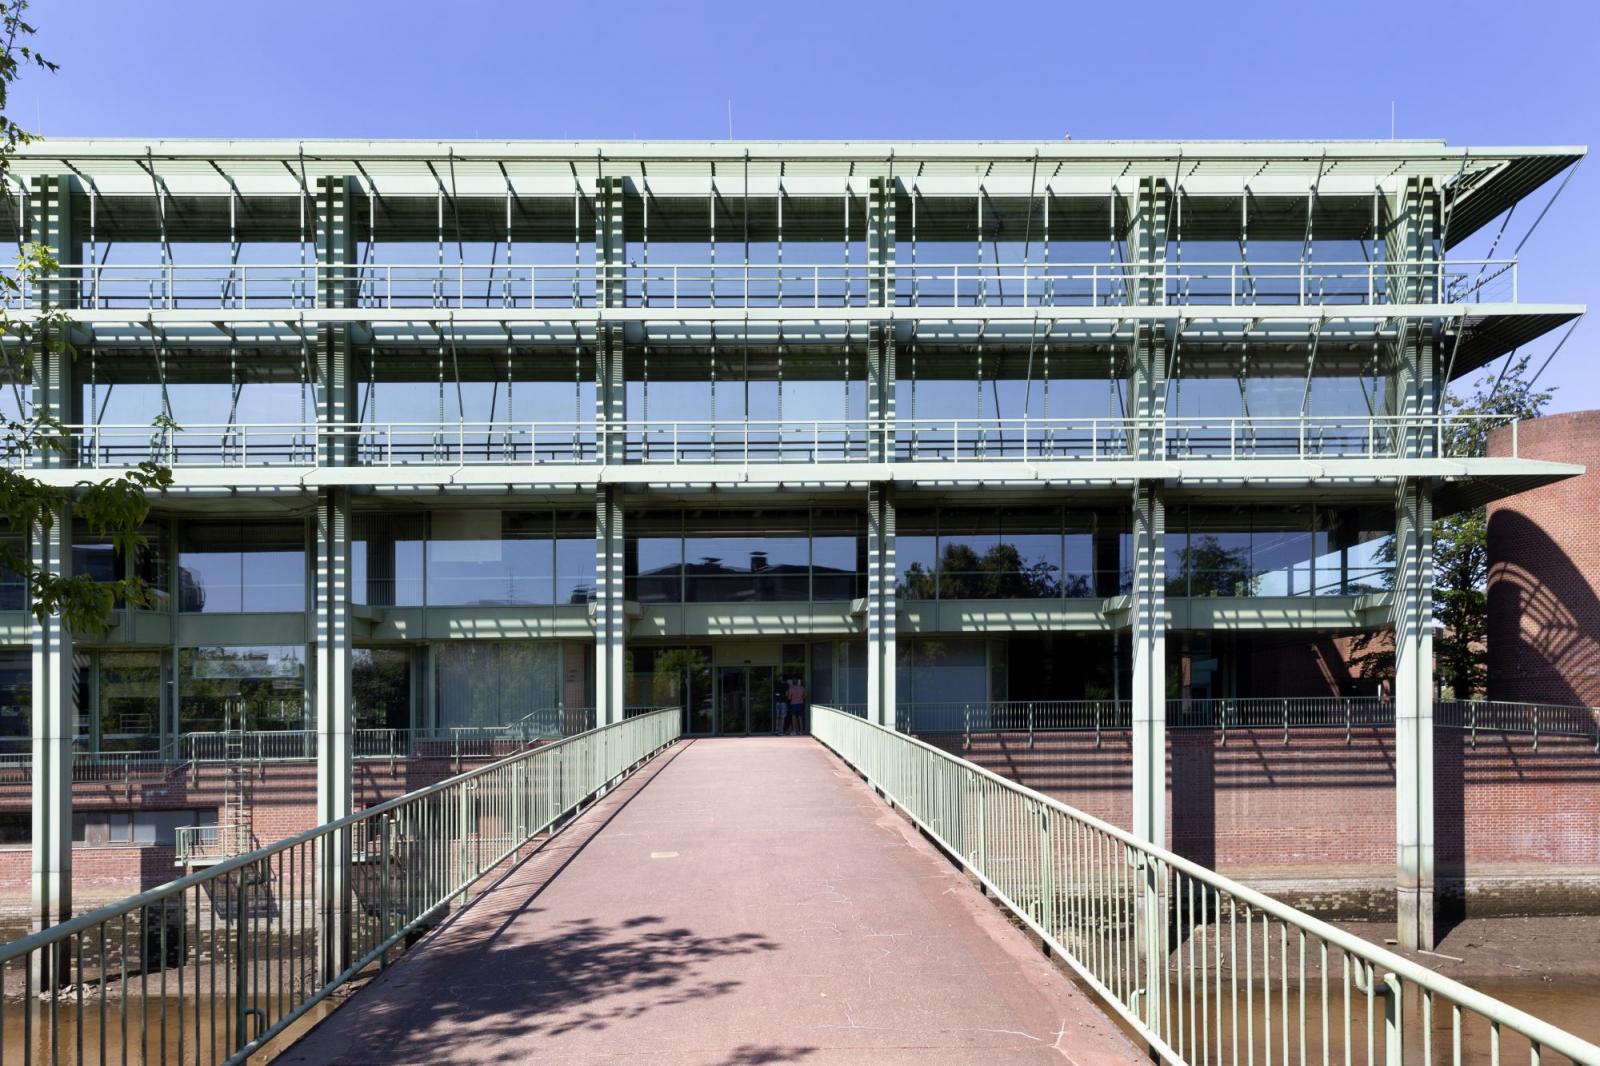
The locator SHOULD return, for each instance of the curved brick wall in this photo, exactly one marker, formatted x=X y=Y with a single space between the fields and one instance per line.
x=1544 y=570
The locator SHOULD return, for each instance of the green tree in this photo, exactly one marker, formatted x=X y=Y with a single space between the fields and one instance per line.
x=1460 y=541
x=999 y=573
x=113 y=509
x=1206 y=568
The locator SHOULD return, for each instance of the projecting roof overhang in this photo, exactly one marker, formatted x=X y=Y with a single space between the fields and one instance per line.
x=1481 y=182
x=1486 y=337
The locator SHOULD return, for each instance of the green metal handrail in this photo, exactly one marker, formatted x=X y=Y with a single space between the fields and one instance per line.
x=1204 y=968
x=210 y=967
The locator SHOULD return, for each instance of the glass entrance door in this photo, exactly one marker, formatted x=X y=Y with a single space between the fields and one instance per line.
x=746 y=699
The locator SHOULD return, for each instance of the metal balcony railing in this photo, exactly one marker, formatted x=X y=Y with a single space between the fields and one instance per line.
x=796 y=441
x=1026 y=716
x=1538 y=719
x=211 y=967
x=684 y=286
x=1280 y=714
x=195 y=844
x=1198 y=964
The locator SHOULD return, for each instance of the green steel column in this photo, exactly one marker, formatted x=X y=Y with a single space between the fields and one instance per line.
x=609 y=609
x=335 y=723
x=610 y=262
x=1149 y=695
x=1147 y=391
x=881 y=340
x=880 y=606
x=610 y=612
x=881 y=611
x=1412 y=251
x=1148 y=619
x=54 y=704
x=336 y=287
x=54 y=710
x=1413 y=712
x=333 y=708
x=1147 y=387
x=1147 y=365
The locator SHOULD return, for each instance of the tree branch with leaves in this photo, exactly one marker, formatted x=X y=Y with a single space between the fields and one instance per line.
x=34 y=326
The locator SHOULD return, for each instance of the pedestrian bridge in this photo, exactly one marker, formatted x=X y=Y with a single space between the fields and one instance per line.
x=735 y=901
x=627 y=895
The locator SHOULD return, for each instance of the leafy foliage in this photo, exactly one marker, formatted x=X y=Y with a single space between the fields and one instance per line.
x=1000 y=573
x=1460 y=541
x=114 y=509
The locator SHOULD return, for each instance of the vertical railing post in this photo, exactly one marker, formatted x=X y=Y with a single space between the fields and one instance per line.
x=983 y=824
x=1046 y=876
x=241 y=963
x=1393 y=1020
x=385 y=834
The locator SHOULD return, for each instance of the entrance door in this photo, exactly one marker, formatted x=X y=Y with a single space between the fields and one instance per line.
x=746 y=699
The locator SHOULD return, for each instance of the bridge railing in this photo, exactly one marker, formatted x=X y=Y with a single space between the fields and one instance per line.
x=213 y=966
x=1199 y=964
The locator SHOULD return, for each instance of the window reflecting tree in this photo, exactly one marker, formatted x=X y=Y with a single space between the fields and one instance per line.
x=1207 y=568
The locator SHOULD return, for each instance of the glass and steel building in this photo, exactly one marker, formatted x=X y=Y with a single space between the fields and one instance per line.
x=518 y=436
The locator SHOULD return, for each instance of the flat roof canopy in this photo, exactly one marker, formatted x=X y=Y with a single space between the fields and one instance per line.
x=1480 y=182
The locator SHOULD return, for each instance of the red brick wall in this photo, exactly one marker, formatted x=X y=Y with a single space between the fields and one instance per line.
x=1544 y=570
x=1318 y=810
x=284 y=803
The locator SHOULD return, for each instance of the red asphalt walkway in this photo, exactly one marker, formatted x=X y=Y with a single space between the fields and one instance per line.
x=737 y=901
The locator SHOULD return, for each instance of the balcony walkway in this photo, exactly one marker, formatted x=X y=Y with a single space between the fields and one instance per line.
x=739 y=901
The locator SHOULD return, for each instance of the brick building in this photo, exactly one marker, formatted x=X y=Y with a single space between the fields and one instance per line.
x=1544 y=569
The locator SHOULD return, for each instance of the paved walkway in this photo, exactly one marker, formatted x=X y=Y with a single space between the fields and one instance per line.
x=739 y=901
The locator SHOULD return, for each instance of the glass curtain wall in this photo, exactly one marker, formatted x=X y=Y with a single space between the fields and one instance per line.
x=16 y=704
x=474 y=559
x=380 y=681
x=1278 y=551
x=129 y=700
x=255 y=688
x=954 y=553
x=744 y=557
x=493 y=683
x=241 y=567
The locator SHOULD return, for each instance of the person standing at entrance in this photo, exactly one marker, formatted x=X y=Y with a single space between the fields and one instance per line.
x=780 y=707
x=797 y=705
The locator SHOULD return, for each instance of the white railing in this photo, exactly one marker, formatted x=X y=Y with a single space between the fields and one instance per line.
x=209 y=843
x=1199 y=964
x=307 y=286
x=212 y=967
x=923 y=440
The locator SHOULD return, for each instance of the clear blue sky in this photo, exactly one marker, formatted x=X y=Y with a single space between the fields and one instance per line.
x=1500 y=73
